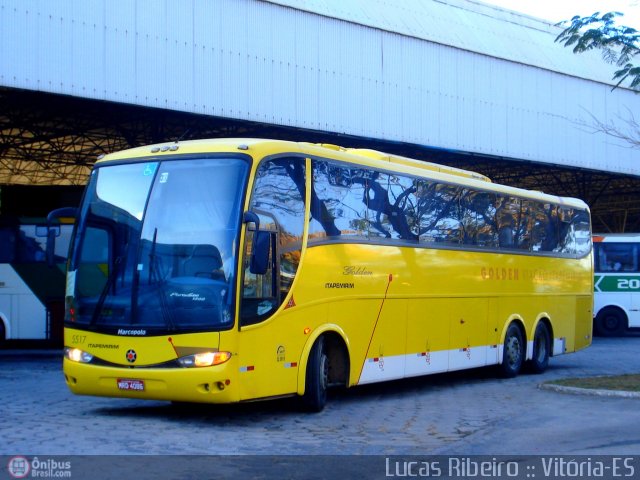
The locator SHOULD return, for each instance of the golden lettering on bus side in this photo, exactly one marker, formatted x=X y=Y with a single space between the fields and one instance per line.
x=532 y=275
x=540 y=275
x=500 y=273
x=355 y=271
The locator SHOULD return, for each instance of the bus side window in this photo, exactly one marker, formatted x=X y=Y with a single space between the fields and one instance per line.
x=582 y=232
x=376 y=199
x=278 y=199
x=7 y=244
x=442 y=223
x=478 y=213
x=566 y=234
x=544 y=235
x=94 y=269
x=339 y=202
x=401 y=212
x=514 y=229
x=617 y=257
x=600 y=258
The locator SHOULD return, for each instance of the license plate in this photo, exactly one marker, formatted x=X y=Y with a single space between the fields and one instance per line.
x=128 y=384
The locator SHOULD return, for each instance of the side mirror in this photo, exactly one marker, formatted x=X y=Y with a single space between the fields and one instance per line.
x=52 y=231
x=251 y=217
x=259 y=262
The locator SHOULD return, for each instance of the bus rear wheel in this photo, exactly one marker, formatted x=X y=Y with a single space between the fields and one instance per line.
x=317 y=378
x=513 y=352
x=541 y=349
x=610 y=322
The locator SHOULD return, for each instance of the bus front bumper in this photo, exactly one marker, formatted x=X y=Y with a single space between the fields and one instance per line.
x=202 y=385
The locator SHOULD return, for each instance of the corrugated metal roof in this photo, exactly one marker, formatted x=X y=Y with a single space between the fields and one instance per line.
x=468 y=25
x=450 y=74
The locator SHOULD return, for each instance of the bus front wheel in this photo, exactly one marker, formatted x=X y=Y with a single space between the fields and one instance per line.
x=513 y=352
x=317 y=378
x=610 y=322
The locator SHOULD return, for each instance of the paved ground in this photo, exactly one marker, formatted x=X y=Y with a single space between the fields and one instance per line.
x=463 y=413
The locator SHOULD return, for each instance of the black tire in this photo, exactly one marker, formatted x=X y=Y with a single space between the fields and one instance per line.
x=541 y=349
x=317 y=378
x=3 y=334
x=610 y=322
x=513 y=352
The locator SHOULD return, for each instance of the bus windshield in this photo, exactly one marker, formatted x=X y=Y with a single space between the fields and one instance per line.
x=156 y=247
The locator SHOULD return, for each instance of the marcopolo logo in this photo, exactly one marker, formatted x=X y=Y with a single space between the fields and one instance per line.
x=138 y=332
x=21 y=467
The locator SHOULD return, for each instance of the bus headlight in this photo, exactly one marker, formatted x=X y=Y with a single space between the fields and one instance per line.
x=204 y=359
x=77 y=355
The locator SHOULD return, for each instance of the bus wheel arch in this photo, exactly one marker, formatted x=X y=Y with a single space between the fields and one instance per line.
x=326 y=364
x=542 y=347
x=610 y=321
x=513 y=348
x=4 y=328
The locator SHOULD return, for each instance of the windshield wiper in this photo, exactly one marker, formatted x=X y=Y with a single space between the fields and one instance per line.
x=154 y=274
x=111 y=279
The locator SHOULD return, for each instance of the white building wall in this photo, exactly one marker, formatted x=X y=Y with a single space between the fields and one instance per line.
x=389 y=75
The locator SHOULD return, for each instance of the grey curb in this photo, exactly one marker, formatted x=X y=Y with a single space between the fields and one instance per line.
x=588 y=391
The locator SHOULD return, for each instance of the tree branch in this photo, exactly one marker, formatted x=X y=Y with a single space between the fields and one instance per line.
x=618 y=44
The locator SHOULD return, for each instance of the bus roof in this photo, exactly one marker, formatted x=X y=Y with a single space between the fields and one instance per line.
x=371 y=158
x=400 y=160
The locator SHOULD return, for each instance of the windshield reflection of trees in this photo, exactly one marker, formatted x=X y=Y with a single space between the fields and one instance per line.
x=279 y=193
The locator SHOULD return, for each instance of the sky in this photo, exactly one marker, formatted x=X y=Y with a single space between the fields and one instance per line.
x=557 y=10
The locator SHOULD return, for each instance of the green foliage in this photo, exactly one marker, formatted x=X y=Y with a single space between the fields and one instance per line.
x=619 y=44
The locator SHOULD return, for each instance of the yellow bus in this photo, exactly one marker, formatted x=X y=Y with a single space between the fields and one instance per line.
x=230 y=270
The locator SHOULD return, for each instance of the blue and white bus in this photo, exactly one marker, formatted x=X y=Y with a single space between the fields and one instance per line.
x=31 y=293
x=616 y=283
